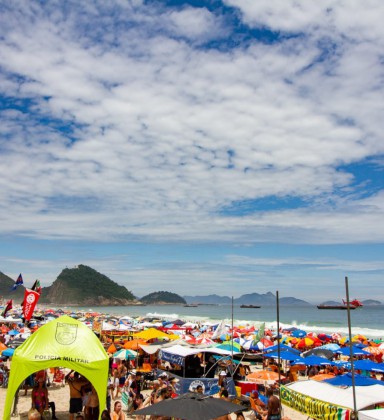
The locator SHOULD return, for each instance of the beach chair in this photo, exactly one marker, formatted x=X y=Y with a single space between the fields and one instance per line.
x=59 y=377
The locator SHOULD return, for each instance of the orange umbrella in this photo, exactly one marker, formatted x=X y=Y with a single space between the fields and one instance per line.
x=133 y=344
x=264 y=376
x=322 y=376
x=112 y=349
x=2 y=347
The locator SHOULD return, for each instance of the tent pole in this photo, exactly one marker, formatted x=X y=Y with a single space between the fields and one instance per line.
x=278 y=341
x=232 y=339
x=351 y=348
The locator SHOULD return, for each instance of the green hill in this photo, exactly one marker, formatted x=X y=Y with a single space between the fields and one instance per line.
x=162 y=297
x=83 y=285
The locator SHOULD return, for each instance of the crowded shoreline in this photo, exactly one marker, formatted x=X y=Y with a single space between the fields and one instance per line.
x=118 y=334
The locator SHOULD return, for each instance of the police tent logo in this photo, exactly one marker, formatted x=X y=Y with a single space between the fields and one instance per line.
x=65 y=333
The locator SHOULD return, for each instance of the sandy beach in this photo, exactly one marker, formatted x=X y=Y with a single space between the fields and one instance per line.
x=60 y=395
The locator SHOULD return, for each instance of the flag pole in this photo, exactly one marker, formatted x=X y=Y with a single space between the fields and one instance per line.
x=232 y=339
x=278 y=342
x=351 y=348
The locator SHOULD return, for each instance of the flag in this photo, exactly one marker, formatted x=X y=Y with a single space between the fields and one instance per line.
x=259 y=335
x=36 y=286
x=18 y=282
x=30 y=300
x=7 y=308
x=220 y=330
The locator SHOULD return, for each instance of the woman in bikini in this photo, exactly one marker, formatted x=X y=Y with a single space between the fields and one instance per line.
x=40 y=397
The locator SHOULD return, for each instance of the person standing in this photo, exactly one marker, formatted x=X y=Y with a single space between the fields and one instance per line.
x=75 y=383
x=92 y=406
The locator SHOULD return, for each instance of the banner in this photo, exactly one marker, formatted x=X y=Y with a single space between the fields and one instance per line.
x=316 y=409
x=30 y=300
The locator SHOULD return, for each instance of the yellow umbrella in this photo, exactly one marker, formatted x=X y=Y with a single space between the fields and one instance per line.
x=150 y=334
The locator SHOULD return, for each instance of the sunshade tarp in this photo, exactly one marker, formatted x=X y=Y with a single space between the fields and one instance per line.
x=365 y=396
x=63 y=342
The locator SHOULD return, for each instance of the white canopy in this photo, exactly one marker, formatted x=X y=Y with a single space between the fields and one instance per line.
x=371 y=414
x=366 y=396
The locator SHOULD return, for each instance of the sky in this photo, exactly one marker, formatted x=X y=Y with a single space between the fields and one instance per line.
x=200 y=147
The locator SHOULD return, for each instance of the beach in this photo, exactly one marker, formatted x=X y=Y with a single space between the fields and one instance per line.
x=60 y=395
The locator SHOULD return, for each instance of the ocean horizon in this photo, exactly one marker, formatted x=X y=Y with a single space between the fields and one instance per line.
x=366 y=321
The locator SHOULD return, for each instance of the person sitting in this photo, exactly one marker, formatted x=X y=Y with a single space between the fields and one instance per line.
x=257 y=405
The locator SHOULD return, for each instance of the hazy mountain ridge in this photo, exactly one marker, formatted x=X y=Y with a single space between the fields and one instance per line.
x=247 y=299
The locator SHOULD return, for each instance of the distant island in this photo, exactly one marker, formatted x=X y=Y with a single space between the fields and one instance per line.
x=162 y=298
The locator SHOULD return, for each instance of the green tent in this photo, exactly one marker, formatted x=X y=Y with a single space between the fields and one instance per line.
x=63 y=342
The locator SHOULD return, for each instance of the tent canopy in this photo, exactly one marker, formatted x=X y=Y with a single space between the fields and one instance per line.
x=365 y=396
x=63 y=342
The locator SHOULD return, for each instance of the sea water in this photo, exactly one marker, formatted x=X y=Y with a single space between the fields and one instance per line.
x=368 y=321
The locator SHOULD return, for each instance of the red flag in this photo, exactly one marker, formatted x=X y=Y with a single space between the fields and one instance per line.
x=30 y=300
x=7 y=308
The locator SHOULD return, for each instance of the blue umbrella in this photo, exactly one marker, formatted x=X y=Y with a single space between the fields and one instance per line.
x=330 y=346
x=369 y=365
x=298 y=334
x=286 y=355
x=13 y=332
x=346 y=380
x=8 y=352
x=282 y=348
x=315 y=361
x=355 y=351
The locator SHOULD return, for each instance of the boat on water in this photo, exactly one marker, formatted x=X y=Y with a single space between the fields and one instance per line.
x=191 y=305
x=352 y=305
x=250 y=306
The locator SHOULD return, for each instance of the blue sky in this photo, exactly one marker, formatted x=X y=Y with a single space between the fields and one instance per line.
x=198 y=147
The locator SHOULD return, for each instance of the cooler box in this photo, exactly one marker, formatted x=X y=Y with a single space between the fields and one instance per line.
x=246 y=386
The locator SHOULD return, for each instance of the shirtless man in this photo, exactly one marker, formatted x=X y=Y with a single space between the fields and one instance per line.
x=274 y=412
x=75 y=398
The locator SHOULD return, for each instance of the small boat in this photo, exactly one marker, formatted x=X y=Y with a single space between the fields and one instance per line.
x=352 y=305
x=191 y=305
x=250 y=306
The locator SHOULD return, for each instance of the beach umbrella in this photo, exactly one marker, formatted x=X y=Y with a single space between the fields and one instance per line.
x=13 y=332
x=314 y=361
x=356 y=351
x=369 y=365
x=191 y=406
x=112 y=349
x=346 y=380
x=373 y=350
x=8 y=352
x=16 y=342
x=299 y=334
x=282 y=348
x=285 y=355
x=305 y=342
x=125 y=354
x=331 y=346
x=229 y=346
x=134 y=344
x=263 y=377
x=320 y=352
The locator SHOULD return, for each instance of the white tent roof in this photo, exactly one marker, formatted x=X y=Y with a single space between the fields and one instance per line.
x=366 y=396
x=371 y=414
x=188 y=351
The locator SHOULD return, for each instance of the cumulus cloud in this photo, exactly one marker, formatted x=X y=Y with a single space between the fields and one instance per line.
x=146 y=122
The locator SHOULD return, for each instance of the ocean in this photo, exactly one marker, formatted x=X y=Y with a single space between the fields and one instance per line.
x=368 y=321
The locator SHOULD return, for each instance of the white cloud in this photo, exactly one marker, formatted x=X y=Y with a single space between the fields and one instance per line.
x=167 y=133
